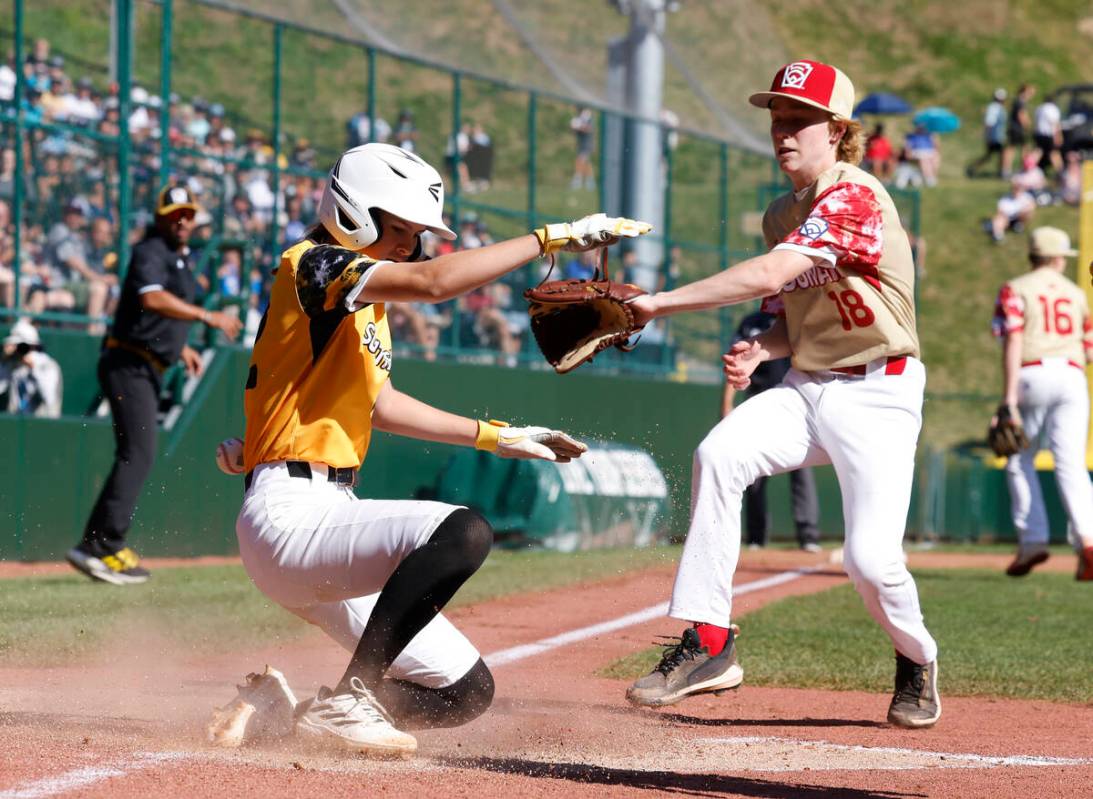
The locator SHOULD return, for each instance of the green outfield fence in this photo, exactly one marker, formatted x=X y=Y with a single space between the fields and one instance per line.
x=281 y=83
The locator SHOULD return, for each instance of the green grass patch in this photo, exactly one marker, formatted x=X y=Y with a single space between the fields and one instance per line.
x=54 y=620
x=1026 y=639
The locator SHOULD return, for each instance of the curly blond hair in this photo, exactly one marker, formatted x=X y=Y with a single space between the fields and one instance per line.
x=852 y=144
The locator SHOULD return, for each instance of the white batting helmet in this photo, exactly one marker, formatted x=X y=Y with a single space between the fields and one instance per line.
x=386 y=177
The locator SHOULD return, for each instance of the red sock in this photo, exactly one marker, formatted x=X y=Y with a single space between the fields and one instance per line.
x=712 y=637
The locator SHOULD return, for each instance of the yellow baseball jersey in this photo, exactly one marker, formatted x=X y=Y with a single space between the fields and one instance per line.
x=317 y=367
x=858 y=305
x=1050 y=311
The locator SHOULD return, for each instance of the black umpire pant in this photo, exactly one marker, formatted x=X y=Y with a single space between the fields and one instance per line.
x=806 y=508
x=131 y=385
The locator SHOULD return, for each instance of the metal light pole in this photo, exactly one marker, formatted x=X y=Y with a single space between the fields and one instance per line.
x=636 y=67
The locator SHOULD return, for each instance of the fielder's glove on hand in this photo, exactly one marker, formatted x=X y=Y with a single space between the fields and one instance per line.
x=527 y=443
x=229 y=456
x=1006 y=435
x=588 y=233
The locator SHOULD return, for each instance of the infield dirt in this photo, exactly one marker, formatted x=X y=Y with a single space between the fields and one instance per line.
x=129 y=721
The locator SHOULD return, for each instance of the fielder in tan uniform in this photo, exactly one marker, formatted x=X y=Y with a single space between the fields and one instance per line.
x=1043 y=320
x=840 y=274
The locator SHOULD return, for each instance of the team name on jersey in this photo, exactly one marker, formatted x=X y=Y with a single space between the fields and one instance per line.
x=372 y=343
x=816 y=276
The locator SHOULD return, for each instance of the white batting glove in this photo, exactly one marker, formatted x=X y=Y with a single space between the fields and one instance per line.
x=229 y=456
x=528 y=443
x=588 y=233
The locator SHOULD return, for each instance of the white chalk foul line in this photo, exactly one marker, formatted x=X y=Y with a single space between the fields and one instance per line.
x=944 y=759
x=89 y=775
x=513 y=654
x=82 y=777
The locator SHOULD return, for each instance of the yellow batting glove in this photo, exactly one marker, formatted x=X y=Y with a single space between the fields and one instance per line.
x=489 y=434
x=588 y=233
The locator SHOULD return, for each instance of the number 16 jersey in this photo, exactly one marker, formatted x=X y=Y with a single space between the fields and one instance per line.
x=1050 y=311
x=858 y=303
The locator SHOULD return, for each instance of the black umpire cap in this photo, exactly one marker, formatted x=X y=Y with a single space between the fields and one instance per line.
x=175 y=198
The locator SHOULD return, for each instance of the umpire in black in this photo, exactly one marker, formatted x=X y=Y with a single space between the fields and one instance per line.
x=802 y=484
x=148 y=336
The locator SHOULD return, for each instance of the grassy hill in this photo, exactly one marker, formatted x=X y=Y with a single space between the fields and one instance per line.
x=931 y=53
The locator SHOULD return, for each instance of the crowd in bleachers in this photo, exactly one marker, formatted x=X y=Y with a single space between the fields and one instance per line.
x=70 y=228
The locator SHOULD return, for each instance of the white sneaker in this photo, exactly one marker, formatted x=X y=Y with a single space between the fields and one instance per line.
x=264 y=709
x=812 y=546
x=357 y=720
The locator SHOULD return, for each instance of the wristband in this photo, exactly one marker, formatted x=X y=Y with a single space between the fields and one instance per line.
x=489 y=433
x=204 y=318
x=553 y=237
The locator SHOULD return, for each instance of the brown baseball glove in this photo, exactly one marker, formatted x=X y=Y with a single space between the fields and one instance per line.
x=572 y=320
x=1006 y=435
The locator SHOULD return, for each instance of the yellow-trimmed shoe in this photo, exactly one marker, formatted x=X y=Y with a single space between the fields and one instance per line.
x=118 y=568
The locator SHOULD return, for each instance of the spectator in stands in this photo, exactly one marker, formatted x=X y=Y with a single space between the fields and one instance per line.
x=294 y=226
x=880 y=157
x=455 y=155
x=1032 y=179
x=69 y=252
x=415 y=327
x=1047 y=135
x=994 y=134
x=217 y=125
x=229 y=275
x=240 y=222
x=583 y=126
x=581 y=266
x=260 y=194
x=7 y=80
x=7 y=259
x=39 y=54
x=922 y=148
x=255 y=149
x=197 y=129
x=468 y=233
x=479 y=158
x=82 y=108
x=1014 y=211
x=406 y=131
x=360 y=129
x=1018 y=128
x=1070 y=181
x=96 y=203
x=7 y=173
x=303 y=155
x=30 y=380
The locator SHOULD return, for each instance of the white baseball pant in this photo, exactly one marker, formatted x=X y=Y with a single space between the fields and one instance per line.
x=320 y=552
x=1054 y=402
x=865 y=426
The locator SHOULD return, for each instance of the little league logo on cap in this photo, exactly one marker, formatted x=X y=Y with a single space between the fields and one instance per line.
x=812 y=83
x=795 y=75
x=176 y=198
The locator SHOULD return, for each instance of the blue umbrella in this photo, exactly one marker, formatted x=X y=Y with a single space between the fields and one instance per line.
x=937 y=119
x=882 y=103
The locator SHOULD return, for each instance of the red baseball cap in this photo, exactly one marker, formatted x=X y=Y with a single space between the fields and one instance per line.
x=812 y=83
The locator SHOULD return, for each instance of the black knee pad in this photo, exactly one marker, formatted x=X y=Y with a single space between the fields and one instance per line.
x=471 y=695
x=469 y=531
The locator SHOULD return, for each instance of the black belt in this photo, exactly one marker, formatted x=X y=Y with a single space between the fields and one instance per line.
x=344 y=476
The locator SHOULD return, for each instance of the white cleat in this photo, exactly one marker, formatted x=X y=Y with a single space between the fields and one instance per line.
x=356 y=720
x=263 y=710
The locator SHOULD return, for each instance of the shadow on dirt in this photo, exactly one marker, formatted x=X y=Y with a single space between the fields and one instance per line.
x=668 y=781
x=679 y=718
